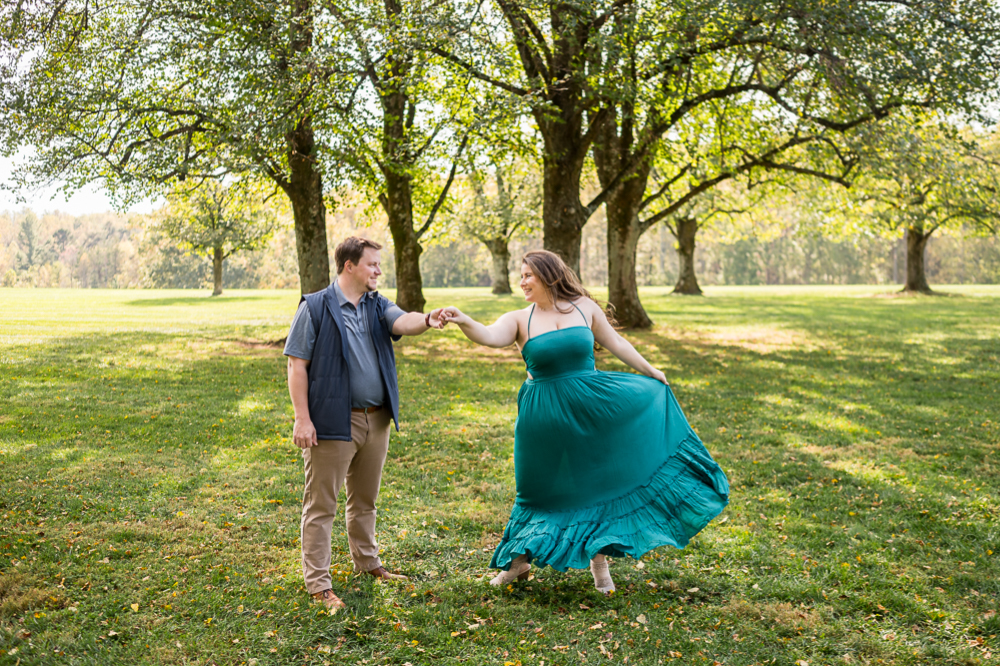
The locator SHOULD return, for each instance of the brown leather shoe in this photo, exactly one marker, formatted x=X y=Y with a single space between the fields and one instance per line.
x=380 y=572
x=330 y=600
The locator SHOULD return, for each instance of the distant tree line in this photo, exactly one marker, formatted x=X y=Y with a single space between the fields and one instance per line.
x=111 y=251
x=103 y=251
x=63 y=251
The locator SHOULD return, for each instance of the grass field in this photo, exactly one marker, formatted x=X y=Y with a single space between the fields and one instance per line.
x=150 y=491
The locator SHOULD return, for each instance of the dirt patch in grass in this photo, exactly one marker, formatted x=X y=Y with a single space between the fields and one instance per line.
x=18 y=594
x=781 y=613
x=912 y=294
x=267 y=344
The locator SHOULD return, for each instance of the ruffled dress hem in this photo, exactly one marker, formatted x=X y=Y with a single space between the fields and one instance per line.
x=686 y=493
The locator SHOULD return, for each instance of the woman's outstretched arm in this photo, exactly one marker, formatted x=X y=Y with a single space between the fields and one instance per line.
x=608 y=337
x=501 y=333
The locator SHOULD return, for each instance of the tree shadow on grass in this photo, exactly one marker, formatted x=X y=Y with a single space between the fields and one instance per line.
x=208 y=299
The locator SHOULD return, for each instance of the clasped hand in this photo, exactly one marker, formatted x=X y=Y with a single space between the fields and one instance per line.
x=441 y=317
x=451 y=314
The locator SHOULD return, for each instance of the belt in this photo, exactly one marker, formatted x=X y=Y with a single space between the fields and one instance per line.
x=366 y=410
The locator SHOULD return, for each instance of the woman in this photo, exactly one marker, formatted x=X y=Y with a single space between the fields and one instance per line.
x=605 y=462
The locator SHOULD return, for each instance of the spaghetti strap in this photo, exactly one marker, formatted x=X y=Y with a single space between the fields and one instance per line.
x=530 y=314
x=587 y=323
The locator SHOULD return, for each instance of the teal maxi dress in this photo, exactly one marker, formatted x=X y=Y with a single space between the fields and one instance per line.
x=605 y=462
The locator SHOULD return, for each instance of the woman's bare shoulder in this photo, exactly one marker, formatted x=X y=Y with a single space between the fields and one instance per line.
x=583 y=301
x=519 y=316
x=588 y=305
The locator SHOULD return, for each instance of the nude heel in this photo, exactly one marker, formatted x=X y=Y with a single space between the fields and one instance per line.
x=602 y=577
x=519 y=569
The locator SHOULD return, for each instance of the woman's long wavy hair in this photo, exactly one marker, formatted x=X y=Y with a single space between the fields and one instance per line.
x=561 y=282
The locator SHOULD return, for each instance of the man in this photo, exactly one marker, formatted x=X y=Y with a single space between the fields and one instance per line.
x=342 y=380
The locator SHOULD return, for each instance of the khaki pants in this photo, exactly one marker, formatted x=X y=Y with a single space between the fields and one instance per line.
x=327 y=466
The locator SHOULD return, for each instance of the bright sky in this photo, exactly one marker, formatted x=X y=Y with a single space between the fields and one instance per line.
x=91 y=199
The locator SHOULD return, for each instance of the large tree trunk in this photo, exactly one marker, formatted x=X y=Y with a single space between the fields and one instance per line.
x=563 y=214
x=304 y=184
x=611 y=150
x=916 y=245
x=399 y=209
x=398 y=112
x=687 y=281
x=217 y=258
x=500 y=253
x=895 y=261
x=305 y=192
x=398 y=205
x=560 y=106
x=624 y=231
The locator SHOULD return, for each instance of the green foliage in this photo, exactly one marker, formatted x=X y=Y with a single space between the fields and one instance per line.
x=498 y=198
x=455 y=264
x=717 y=90
x=922 y=174
x=169 y=267
x=150 y=512
x=213 y=216
x=31 y=251
x=137 y=98
x=416 y=115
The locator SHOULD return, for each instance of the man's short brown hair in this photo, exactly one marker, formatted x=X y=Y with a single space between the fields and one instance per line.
x=351 y=249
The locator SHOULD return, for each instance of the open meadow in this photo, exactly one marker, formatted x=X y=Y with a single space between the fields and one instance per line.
x=150 y=489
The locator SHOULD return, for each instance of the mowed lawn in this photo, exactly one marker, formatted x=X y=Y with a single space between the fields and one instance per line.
x=150 y=490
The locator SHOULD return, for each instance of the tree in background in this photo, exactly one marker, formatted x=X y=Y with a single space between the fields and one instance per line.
x=922 y=174
x=217 y=220
x=501 y=199
x=95 y=251
x=728 y=201
x=403 y=141
x=32 y=250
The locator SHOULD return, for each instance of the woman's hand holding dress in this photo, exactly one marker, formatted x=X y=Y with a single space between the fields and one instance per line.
x=659 y=376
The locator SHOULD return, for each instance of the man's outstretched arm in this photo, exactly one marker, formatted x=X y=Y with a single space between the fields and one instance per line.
x=415 y=323
x=303 y=432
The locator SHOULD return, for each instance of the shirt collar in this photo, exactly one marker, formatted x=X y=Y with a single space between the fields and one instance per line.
x=341 y=299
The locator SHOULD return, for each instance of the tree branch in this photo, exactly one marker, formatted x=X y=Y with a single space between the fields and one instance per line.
x=444 y=191
x=534 y=66
x=600 y=20
x=663 y=190
x=472 y=71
